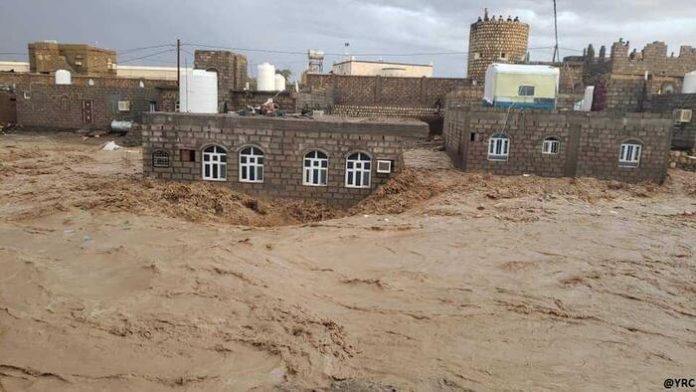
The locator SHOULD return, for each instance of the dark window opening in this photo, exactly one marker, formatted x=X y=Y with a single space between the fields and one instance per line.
x=187 y=155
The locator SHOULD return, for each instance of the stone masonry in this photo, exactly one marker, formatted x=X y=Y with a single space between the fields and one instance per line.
x=231 y=69
x=683 y=134
x=284 y=143
x=589 y=143
x=496 y=40
x=48 y=57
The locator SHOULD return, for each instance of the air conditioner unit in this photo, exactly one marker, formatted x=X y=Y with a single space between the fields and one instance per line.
x=384 y=166
x=124 y=106
x=683 y=115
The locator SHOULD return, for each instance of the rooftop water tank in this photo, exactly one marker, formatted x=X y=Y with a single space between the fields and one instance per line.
x=279 y=82
x=63 y=77
x=266 y=77
x=198 y=92
x=689 y=86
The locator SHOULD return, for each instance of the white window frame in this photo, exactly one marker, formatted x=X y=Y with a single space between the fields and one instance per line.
x=215 y=160
x=124 y=106
x=358 y=170
x=251 y=165
x=630 y=153
x=498 y=147
x=551 y=146
x=160 y=159
x=315 y=169
x=384 y=162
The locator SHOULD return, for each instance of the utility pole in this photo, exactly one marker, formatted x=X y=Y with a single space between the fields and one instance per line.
x=178 y=71
x=556 y=54
x=178 y=62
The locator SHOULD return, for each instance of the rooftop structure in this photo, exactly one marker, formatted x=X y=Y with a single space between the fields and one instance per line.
x=496 y=40
x=355 y=67
x=49 y=56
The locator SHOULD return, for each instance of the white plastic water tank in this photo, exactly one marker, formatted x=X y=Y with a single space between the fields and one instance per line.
x=63 y=77
x=689 y=86
x=279 y=82
x=265 y=77
x=198 y=91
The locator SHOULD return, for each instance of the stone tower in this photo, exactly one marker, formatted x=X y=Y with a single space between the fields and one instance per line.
x=496 y=40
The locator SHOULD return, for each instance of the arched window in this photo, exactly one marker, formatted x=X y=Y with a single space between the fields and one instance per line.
x=629 y=155
x=316 y=169
x=160 y=159
x=551 y=146
x=358 y=170
x=215 y=164
x=667 y=88
x=251 y=165
x=498 y=147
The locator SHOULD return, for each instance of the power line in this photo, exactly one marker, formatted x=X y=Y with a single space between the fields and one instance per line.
x=132 y=50
x=147 y=56
x=271 y=51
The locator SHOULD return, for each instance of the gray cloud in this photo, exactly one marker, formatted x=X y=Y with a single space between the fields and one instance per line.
x=376 y=27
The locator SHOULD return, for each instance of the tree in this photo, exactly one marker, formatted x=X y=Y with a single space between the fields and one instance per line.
x=287 y=74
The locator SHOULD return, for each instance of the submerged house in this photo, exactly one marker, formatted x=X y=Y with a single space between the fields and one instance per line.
x=521 y=86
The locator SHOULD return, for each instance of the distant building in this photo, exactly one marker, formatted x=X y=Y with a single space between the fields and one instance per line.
x=49 y=56
x=14 y=66
x=354 y=67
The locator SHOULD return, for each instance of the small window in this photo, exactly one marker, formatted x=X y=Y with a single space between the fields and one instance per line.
x=526 y=91
x=215 y=164
x=316 y=169
x=153 y=106
x=358 y=170
x=498 y=147
x=551 y=146
x=251 y=165
x=160 y=159
x=629 y=155
x=384 y=166
x=503 y=56
x=187 y=155
x=477 y=56
x=124 y=106
x=472 y=137
x=177 y=106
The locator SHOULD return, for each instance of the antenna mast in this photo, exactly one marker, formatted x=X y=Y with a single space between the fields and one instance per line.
x=556 y=54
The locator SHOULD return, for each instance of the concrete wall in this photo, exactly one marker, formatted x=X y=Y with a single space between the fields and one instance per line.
x=284 y=142
x=589 y=143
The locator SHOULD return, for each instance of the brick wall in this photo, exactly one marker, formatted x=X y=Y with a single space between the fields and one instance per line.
x=284 y=142
x=683 y=134
x=231 y=69
x=48 y=57
x=55 y=107
x=495 y=40
x=589 y=143
x=386 y=91
x=654 y=58
x=25 y=80
x=238 y=100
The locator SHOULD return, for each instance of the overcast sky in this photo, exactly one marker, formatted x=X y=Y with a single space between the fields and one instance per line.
x=383 y=27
